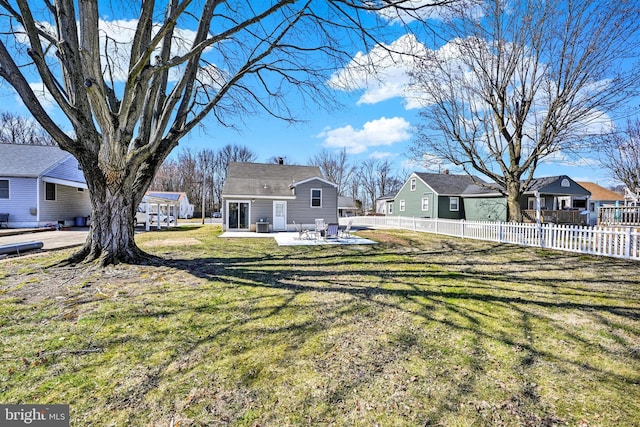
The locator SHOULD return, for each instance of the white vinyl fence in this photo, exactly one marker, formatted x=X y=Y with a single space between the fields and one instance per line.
x=619 y=242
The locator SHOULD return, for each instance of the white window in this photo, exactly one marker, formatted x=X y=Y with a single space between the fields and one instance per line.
x=531 y=204
x=401 y=205
x=4 y=188
x=49 y=191
x=413 y=184
x=425 y=204
x=454 y=204
x=316 y=198
x=565 y=183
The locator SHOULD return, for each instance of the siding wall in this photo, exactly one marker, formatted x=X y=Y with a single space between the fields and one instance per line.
x=445 y=212
x=300 y=210
x=67 y=170
x=413 y=200
x=22 y=196
x=69 y=204
x=485 y=209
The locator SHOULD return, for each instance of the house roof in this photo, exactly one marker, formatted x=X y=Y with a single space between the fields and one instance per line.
x=346 y=203
x=266 y=179
x=29 y=161
x=599 y=193
x=455 y=185
x=553 y=185
x=168 y=195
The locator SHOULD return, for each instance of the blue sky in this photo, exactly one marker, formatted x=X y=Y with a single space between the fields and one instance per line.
x=376 y=120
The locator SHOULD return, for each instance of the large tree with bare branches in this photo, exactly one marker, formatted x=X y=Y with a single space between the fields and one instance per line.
x=517 y=82
x=131 y=89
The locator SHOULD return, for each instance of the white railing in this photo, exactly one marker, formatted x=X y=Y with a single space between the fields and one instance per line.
x=619 y=242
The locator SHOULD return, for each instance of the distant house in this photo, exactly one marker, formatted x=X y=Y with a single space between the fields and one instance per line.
x=433 y=195
x=347 y=206
x=168 y=198
x=600 y=197
x=276 y=194
x=561 y=200
x=41 y=185
x=384 y=204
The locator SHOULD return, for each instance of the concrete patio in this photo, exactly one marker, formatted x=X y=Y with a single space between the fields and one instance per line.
x=293 y=238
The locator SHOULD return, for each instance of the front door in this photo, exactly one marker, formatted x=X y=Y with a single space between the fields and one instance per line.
x=238 y=215
x=279 y=215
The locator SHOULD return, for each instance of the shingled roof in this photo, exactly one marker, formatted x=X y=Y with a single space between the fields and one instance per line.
x=600 y=193
x=29 y=161
x=455 y=185
x=266 y=179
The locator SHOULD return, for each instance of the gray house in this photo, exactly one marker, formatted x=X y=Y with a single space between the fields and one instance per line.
x=41 y=185
x=261 y=197
x=561 y=200
x=433 y=195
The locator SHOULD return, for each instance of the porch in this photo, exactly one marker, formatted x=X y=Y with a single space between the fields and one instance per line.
x=565 y=216
x=621 y=215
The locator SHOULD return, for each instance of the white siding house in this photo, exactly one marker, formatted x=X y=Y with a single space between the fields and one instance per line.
x=44 y=184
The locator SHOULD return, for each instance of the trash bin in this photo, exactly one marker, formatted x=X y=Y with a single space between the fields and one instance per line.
x=80 y=221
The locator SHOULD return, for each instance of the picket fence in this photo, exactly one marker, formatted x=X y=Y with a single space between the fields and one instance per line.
x=618 y=242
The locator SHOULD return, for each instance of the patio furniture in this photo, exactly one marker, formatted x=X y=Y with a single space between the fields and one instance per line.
x=301 y=231
x=331 y=231
x=321 y=228
x=346 y=232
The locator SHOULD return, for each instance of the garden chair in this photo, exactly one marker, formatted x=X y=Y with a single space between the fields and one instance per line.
x=301 y=231
x=346 y=232
x=331 y=232
x=321 y=228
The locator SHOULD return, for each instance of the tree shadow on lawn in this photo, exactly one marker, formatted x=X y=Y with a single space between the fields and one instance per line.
x=543 y=326
x=435 y=333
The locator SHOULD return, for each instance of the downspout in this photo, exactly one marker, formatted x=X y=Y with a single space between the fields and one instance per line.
x=38 y=185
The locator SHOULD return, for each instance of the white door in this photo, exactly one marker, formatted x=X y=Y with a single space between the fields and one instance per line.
x=279 y=216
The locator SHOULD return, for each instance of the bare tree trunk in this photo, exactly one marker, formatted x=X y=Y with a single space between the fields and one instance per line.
x=111 y=236
x=514 y=210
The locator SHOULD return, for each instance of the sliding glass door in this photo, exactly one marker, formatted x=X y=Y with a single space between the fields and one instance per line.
x=238 y=215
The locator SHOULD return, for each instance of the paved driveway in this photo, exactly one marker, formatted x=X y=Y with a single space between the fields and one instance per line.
x=49 y=239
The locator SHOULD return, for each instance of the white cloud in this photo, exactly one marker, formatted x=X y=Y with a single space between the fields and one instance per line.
x=383 y=73
x=424 y=9
x=375 y=133
x=379 y=155
x=43 y=95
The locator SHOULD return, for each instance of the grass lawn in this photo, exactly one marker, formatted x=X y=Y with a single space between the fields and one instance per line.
x=418 y=330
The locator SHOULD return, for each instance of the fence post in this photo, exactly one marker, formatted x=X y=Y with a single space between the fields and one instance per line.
x=436 y=225
x=414 y=223
x=462 y=228
x=500 y=232
x=627 y=244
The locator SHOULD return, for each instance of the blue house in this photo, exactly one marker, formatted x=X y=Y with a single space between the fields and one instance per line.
x=41 y=185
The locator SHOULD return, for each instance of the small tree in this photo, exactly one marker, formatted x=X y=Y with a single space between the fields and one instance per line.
x=518 y=81
x=129 y=103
